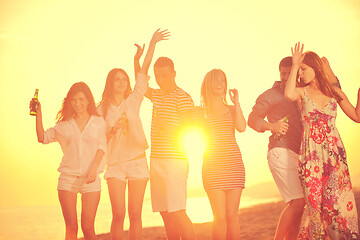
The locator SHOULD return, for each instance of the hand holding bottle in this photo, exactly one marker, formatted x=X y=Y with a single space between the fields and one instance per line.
x=34 y=103
x=281 y=127
x=121 y=124
x=124 y=124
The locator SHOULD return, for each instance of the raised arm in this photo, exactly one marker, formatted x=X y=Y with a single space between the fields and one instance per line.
x=332 y=77
x=240 y=122
x=137 y=57
x=352 y=112
x=157 y=37
x=291 y=92
x=39 y=124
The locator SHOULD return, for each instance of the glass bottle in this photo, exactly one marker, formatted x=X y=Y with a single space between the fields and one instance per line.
x=34 y=102
x=125 y=121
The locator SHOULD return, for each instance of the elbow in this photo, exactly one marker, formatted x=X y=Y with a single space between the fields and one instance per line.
x=289 y=97
x=251 y=121
x=241 y=128
x=40 y=138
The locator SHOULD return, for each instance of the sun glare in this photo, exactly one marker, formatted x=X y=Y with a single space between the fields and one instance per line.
x=194 y=144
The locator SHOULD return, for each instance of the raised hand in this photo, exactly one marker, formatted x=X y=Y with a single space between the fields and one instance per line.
x=38 y=106
x=160 y=35
x=139 y=51
x=325 y=62
x=297 y=54
x=333 y=79
x=157 y=37
x=234 y=95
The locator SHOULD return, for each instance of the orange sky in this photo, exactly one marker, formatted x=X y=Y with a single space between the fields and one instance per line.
x=52 y=44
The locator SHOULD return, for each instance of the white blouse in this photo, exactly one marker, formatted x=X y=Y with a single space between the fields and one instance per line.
x=123 y=147
x=79 y=148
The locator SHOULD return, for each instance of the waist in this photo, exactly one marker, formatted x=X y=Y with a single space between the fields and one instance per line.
x=119 y=158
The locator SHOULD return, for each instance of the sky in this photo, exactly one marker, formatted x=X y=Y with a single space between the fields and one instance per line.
x=52 y=44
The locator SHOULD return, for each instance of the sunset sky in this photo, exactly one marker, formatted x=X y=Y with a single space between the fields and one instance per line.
x=52 y=44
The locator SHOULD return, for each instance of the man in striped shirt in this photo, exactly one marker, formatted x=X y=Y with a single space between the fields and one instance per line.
x=172 y=108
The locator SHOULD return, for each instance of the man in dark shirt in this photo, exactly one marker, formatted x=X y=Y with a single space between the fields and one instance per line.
x=283 y=120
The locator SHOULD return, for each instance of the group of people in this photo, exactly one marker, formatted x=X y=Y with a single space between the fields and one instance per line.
x=306 y=155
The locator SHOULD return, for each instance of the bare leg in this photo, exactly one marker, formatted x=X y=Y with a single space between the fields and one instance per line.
x=183 y=223
x=68 y=206
x=90 y=202
x=136 y=196
x=171 y=226
x=290 y=220
x=232 y=213
x=117 y=198
x=217 y=200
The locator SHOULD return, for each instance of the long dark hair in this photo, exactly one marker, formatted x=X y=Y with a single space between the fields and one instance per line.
x=108 y=93
x=67 y=112
x=314 y=61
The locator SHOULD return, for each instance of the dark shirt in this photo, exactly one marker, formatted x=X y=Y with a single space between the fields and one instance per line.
x=273 y=105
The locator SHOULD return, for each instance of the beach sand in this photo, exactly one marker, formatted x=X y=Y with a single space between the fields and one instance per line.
x=258 y=222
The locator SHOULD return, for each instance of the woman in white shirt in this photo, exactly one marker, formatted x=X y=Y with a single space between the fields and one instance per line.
x=126 y=141
x=81 y=135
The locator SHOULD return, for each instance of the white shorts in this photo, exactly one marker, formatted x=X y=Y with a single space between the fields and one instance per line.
x=168 y=183
x=136 y=169
x=77 y=184
x=283 y=164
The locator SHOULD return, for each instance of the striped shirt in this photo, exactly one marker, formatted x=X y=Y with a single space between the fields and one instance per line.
x=167 y=123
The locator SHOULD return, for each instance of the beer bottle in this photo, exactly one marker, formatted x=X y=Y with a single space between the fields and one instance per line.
x=286 y=120
x=34 y=101
x=124 y=120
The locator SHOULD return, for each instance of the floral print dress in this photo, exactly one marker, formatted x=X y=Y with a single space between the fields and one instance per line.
x=324 y=176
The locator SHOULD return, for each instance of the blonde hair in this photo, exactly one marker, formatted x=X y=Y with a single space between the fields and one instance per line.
x=207 y=86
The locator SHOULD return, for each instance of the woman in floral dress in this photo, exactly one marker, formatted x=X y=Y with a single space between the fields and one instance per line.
x=323 y=168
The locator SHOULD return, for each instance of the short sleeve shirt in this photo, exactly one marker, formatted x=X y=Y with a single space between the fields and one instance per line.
x=168 y=123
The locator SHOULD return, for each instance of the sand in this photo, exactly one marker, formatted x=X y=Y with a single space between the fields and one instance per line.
x=258 y=222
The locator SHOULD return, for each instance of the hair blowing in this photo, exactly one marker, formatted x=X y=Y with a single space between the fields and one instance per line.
x=67 y=111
